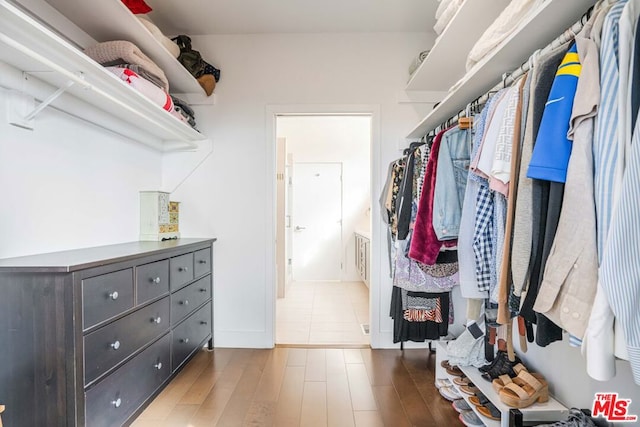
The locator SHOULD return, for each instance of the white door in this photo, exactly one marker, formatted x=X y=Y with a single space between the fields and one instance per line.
x=317 y=221
x=288 y=210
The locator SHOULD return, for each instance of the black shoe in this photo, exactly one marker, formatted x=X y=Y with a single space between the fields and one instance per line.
x=496 y=359
x=577 y=418
x=503 y=367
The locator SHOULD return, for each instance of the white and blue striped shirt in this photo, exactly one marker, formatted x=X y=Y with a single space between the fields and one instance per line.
x=620 y=259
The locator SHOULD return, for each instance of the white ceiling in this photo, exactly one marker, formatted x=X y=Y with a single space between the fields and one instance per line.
x=198 y=17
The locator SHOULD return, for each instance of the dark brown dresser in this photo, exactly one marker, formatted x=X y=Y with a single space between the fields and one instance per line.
x=88 y=337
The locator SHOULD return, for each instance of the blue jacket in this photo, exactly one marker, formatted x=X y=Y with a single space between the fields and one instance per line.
x=552 y=149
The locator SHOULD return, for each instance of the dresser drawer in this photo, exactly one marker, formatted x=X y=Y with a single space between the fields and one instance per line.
x=201 y=262
x=188 y=336
x=112 y=401
x=180 y=270
x=152 y=280
x=106 y=296
x=109 y=345
x=188 y=299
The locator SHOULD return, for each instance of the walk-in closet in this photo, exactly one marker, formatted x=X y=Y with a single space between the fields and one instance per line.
x=340 y=213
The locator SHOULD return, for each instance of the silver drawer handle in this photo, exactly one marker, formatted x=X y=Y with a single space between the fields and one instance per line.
x=203 y=289
x=183 y=269
x=156 y=280
x=157 y=320
x=202 y=261
x=185 y=302
x=184 y=340
x=114 y=295
x=115 y=345
x=158 y=366
x=117 y=402
x=202 y=322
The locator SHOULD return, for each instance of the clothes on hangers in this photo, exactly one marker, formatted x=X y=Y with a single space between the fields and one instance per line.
x=570 y=278
x=598 y=344
x=409 y=275
x=618 y=277
x=552 y=188
x=450 y=183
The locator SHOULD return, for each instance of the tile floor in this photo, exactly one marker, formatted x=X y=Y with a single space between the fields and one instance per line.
x=323 y=313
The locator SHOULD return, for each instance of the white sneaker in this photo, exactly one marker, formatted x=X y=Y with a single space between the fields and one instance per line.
x=442 y=382
x=450 y=393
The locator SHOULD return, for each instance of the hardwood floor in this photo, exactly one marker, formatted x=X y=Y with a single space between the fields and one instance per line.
x=303 y=387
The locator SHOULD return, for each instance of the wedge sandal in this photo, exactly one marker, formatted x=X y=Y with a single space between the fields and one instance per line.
x=500 y=382
x=503 y=380
x=524 y=390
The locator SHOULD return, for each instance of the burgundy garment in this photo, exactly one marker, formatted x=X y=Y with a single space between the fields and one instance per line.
x=425 y=245
x=137 y=6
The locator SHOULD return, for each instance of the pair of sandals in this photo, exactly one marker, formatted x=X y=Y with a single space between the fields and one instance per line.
x=454 y=371
x=522 y=390
x=479 y=400
x=484 y=406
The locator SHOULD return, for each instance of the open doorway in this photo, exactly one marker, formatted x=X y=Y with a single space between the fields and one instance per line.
x=323 y=221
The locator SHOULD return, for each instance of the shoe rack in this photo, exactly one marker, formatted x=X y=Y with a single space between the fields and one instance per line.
x=550 y=411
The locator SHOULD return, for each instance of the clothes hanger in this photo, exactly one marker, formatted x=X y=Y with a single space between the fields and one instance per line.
x=533 y=58
x=466 y=122
x=505 y=76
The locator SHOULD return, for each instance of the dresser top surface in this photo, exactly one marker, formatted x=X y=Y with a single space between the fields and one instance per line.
x=80 y=259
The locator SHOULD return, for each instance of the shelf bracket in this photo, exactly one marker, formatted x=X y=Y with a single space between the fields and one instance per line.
x=46 y=102
x=22 y=109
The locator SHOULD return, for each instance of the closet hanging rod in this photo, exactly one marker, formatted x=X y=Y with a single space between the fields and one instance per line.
x=509 y=78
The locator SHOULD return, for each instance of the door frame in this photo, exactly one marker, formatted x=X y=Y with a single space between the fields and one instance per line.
x=376 y=335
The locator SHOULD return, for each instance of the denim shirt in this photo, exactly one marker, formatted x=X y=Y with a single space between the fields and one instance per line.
x=451 y=182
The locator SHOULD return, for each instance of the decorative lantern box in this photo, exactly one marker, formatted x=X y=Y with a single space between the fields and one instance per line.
x=158 y=216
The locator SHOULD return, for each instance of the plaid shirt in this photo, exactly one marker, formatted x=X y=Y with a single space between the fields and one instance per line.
x=482 y=243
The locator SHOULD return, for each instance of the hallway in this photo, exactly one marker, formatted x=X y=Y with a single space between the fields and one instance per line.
x=323 y=313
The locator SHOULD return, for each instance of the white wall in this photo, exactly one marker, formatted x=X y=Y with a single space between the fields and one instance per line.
x=340 y=139
x=565 y=368
x=68 y=185
x=230 y=195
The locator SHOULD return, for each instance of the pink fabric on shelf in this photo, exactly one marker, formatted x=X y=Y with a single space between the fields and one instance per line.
x=145 y=87
x=425 y=245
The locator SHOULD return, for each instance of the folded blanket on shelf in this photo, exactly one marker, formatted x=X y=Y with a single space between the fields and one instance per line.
x=145 y=87
x=127 y=52
x=447 y=15
x=505 y=24
x=139 y=70
x=444 y=4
